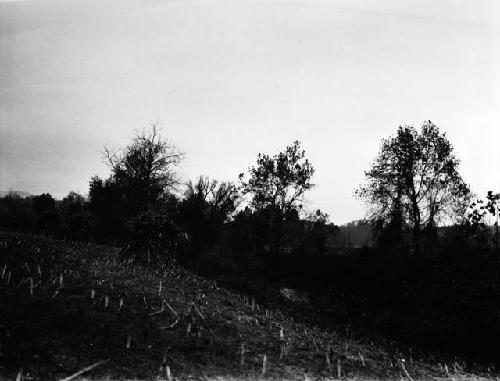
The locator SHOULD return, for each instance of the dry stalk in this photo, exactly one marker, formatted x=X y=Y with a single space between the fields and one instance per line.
x=361 y=358
x=242 y=354
x=157 y=312
x=23 y=281
x=198 y=311
x=169 y=307
x=403 y=368
x=129 y=340
x=315 y=345
x=172 y=325
x=168 y=374
x=163 y=366
x=84 y=370
x=282 y=344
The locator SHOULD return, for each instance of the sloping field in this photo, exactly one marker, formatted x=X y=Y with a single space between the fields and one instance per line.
x=67 y=306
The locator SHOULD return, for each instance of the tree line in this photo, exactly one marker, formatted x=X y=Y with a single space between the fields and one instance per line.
x=412 y=187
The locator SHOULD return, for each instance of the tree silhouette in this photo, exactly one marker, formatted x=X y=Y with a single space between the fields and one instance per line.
x=142 y=177
x=317 y=231
x=207 y=205
x=75 y=218
x=145 y=169
x=43 y=203
x=493 y=208
x=414 y=182
x=481 y=209
x=109 y=209
x=47 y=218
x=277 y=185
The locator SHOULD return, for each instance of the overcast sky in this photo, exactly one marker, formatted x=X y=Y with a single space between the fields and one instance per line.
x=229 y=79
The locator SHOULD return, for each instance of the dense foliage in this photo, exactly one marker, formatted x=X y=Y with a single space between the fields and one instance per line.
x=277 y=185
x=414 y=184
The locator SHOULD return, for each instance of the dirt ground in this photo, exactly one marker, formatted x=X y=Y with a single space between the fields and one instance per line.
x=65 y=306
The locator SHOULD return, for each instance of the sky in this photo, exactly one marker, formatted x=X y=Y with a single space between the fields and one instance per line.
x=229 y=79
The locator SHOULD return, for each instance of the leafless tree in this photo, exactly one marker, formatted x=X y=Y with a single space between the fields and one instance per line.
x=147 y=167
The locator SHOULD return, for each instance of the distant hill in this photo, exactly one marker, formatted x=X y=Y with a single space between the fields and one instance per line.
x=14 y=192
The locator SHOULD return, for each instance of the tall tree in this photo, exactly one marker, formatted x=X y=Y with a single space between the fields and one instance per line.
x=414 y=182
x=47 y=217
x=206 y=206
x=277 y=185
x=145 y=168
x=143 y=174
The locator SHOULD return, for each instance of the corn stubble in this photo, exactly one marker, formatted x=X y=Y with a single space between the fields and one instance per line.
x=114 y=318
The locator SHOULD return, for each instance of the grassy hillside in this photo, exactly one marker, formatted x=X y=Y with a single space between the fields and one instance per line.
x=66 y=306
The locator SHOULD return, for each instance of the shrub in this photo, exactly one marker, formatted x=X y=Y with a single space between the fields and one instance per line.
x=153 y=236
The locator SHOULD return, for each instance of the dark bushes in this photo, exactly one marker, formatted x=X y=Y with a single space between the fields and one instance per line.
x=153 y=237
x=16 y=214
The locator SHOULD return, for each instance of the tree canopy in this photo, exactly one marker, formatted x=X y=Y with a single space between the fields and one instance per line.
x=206 y=206
x=145 y=169
x=414 y=181
x=277 y=185
x=280 y=181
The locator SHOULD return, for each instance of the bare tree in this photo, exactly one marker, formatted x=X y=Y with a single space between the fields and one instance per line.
x=206 y=207
x=146 y=167
x=217 y=200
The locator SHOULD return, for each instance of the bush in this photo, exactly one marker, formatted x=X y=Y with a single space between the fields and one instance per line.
x=154 y=237
x=16 y=214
